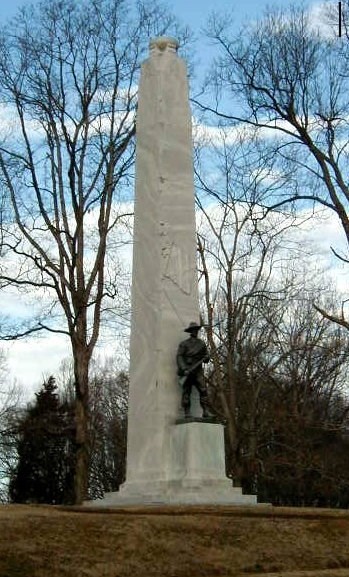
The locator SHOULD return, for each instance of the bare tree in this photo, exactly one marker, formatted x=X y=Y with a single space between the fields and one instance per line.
x=286 y=81
x=243 y=256
x=278 y=371
x=68 y=79
x=303 y=412
x=10 y=408
x=109 y=394
x=108 y=421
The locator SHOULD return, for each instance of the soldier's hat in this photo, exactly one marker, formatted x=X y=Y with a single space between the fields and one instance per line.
x=192 y=327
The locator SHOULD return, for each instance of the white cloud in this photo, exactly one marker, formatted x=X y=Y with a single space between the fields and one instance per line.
x=32 y=360
x=204 y=134
x=323 y=234
x=324 y=17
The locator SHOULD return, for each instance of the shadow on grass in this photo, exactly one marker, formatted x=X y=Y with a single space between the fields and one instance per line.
x=17 y=567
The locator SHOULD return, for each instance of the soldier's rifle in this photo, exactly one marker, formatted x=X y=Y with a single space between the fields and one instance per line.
x=183 y=378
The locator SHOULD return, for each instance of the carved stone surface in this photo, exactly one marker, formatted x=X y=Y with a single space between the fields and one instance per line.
x=166 y=462
x=164 y=290
x=197 y=475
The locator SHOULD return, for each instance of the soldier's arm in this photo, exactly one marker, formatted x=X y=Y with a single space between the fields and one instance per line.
x=181 y=364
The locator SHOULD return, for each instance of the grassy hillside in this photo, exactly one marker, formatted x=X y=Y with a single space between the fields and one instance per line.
x=197 y=541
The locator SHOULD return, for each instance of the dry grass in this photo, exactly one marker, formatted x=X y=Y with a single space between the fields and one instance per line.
x=173 y=542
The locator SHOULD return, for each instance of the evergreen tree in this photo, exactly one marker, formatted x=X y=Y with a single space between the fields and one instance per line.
x=44 y=471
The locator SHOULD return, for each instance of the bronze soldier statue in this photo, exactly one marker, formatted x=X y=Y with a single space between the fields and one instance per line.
x=190 y=355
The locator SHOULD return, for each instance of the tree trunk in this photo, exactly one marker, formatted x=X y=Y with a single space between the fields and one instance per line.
x=231 y=438
x=82 y=444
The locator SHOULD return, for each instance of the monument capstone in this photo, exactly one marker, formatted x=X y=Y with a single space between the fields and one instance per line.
x=169 y=460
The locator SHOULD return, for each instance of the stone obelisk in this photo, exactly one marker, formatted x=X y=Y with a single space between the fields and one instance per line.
x=168 y=460
x=165 y=286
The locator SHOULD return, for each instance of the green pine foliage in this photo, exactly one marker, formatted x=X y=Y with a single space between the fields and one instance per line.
x=44 y=470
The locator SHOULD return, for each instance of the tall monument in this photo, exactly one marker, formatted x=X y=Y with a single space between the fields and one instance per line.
x=164 y=284
x=168 y=460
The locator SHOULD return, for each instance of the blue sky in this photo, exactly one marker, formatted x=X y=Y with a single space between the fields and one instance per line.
x=194 y=13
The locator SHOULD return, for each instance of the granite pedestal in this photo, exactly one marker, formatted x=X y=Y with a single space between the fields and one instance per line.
x=196 y=476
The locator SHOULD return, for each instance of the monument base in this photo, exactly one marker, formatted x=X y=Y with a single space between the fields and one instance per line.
x=197 y=474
